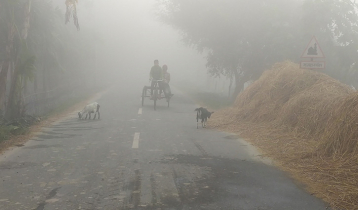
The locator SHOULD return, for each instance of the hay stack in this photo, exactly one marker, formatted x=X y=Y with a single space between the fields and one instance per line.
x=308 y=112
x=340 y=137
x=306 y=121
x=294 y=100
x=264 y=99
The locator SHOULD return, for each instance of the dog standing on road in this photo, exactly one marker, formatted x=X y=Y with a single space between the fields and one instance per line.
x=203 y=114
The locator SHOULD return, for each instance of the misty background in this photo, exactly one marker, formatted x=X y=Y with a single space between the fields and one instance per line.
x=130 y=38
x=209 y=46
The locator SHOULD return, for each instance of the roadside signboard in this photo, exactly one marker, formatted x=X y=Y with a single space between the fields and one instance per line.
x=313 y=51
x=313 y=64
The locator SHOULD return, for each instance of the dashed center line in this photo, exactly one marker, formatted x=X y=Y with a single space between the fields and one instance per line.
x=140 y=111
x=135 y=144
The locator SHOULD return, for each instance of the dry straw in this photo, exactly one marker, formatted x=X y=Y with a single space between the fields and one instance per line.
x=307 y=122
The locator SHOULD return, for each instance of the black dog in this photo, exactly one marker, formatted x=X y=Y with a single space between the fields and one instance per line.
x=203 y=114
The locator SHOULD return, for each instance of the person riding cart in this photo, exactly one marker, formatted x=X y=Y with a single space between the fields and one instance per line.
x=159 y=84
x=166 y=77
x=156 y=75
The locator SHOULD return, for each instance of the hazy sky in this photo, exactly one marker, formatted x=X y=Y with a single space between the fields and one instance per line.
x=132 y=38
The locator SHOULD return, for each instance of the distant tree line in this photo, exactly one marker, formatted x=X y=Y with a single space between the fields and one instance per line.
x=242 y=38
x=38 y=52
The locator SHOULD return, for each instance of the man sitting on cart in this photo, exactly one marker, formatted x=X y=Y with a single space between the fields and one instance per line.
x=156 y=73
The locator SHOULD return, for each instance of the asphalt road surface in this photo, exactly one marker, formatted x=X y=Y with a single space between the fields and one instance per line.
x=138 y=158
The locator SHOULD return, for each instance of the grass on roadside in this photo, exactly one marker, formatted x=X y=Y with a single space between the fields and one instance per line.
x=6 y=131
x=21 y=128
x=68 y=103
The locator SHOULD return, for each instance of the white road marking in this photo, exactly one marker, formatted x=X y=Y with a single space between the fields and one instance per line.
x=135 y=144
x=140 y=111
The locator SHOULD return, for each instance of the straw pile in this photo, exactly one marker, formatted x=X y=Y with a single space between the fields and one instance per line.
x=307 y=122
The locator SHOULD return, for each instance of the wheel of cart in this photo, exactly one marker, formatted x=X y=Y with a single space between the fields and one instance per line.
x=158 y=94
x=145 y=93
x=168 y=99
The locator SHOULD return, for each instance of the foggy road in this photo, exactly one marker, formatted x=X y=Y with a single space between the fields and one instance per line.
x=138 y=158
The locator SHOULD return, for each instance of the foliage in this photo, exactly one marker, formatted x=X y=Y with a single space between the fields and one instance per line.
x=26 y=64
x=16 y=127
x=71 y=11
x=51 y=55
x=243 y=38
x=5 y=132
x=337 y=30
x=236 y=34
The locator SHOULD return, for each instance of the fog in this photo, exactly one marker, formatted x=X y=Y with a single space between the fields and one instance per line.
x=118 y=41
x=146 y=145
x=130 y=38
